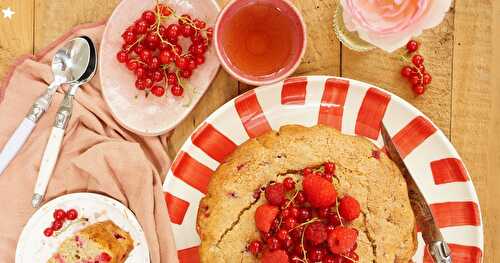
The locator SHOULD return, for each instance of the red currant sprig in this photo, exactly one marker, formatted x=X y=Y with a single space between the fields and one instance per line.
x=60 y=217
x=415 y=72
x=152 y=51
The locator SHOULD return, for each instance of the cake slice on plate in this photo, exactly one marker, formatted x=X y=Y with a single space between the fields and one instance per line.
x=102 y=242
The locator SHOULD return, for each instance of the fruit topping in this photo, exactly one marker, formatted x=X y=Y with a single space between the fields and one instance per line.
x=319 y=191
x=349 y=208
x=308 y=225
x=264 y=217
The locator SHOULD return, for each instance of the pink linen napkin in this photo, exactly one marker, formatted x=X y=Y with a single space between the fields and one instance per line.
x=97 y=155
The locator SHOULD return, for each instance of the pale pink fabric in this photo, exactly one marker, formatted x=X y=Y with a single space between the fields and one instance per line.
x=97 y=155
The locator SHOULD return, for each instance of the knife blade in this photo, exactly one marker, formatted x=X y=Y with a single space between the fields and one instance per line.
x=431 y=234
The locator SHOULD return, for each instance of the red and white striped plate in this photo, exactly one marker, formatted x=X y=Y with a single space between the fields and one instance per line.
x=353 y=107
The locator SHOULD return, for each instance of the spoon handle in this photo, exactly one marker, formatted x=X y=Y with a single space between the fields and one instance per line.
x=15 y=143
x=51 y=153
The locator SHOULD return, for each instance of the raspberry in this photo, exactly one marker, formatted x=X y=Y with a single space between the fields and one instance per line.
x=275 y=194
x=349 y=208
x=342 y=239
x=277 y=256
x=318 y=191
x=264 y=217
x=316 y=233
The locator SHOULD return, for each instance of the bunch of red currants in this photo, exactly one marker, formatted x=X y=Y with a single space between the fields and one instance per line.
x=153 y=52
x=416 y=74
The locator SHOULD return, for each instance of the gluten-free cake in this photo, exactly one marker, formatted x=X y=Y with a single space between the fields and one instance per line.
x=364 y=180
x=102 y=242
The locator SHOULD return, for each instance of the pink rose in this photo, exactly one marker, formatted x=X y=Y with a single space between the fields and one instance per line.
x=390 y=24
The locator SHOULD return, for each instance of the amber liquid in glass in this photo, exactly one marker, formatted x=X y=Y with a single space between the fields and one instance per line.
x=258 y=39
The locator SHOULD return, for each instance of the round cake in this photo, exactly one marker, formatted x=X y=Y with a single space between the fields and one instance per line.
x=385 y=223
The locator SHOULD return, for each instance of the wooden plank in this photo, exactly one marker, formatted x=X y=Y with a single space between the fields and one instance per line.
x=54 y=18
x=322 y=56
x=16 y=33
x=475 y=123
x=383 y=70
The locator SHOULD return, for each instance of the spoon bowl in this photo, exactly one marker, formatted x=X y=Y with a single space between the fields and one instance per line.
x=72 y=60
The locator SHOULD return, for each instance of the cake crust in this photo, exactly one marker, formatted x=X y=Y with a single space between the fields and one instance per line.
x=226 y=214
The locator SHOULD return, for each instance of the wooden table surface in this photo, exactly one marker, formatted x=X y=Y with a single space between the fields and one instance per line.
x=463 y=100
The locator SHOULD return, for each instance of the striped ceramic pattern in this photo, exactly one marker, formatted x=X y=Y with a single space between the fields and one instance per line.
x=354 y=108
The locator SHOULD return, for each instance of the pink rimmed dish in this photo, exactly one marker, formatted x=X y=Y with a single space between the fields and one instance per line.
x=151 y=116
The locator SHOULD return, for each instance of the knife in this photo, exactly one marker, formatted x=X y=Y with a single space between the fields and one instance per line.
x=431 y=234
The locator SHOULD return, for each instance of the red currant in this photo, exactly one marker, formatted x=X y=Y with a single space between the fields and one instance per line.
x=140 y=72
x=122 y=56
x=157 y=75
x=177 y=90
x=149 y=16
x=200 y=60
x=154 y=63
x=412 y=46
x=59 y=214
x=290 y=222
x=166 y=57
x=158 y=91
x=177 y=50
x=417 y=60
x=152 y=39
x=406 y=72
x=172 y=79
x=57 y=224
x=181 y=62
x=71 y=214
x=427 y=79
x=273 y=243
x=132 y=65
x=192 y=64
x=199 y=49
x=48 y=232
x=148 y=83
x=187 y=30
x=173 y=31
x=140 y=84
x=186 y=73
x=210 y=33
x=199 y=24
x=141 y=26
x=329 y=168
x=418 y=89
x=138 y=48
x=289 y=183
x=414 y=80
x=129 y=37
x=255 y=247
x=146 y=55
x=282 y=234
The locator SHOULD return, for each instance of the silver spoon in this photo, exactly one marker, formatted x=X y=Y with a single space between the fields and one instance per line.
x=68 y=65
x=63 y=116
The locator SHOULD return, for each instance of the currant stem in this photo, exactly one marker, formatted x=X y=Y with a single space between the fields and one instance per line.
x=291 y=199
x=304 y=252
x=307 y=223
x=135 y=43
x=80 y=220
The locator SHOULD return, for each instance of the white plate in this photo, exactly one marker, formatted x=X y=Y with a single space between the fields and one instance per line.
x=33 y=246
x=354 y=108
